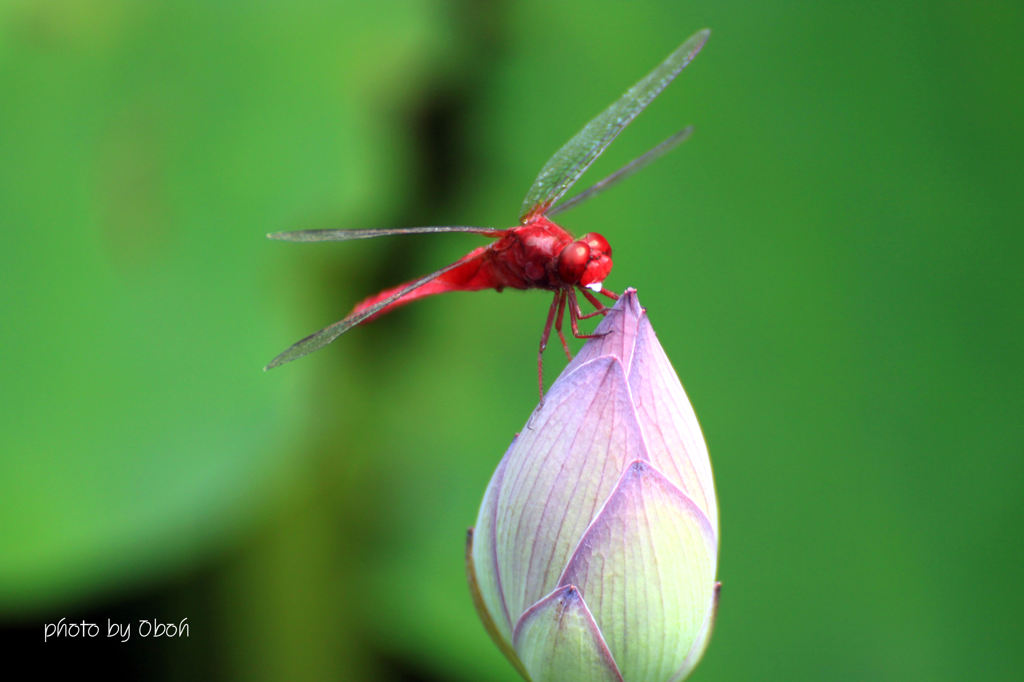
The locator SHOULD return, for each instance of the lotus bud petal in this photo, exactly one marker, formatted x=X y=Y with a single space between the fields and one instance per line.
x=595 y=550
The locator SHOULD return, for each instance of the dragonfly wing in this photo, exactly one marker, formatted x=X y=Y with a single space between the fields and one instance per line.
x=318 y=340
x=576 y=155
x=624 y=172
x=345 y=235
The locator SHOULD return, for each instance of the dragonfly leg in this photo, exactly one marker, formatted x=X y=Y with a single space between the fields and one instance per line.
x=575 y=315
x=610 y=294
x=559 y=318
x=545 y=335
x=601 y=309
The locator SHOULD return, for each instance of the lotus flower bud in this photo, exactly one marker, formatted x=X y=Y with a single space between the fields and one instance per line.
x=595 y=550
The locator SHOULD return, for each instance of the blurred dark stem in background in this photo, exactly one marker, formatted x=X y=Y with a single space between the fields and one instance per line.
x=435 y=116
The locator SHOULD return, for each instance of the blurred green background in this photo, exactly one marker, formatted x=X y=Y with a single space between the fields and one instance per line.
x=832 y=262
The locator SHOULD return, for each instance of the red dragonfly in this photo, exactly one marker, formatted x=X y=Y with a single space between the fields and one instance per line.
x=537 y=253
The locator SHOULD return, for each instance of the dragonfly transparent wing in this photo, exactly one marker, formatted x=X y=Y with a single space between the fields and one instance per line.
x=346 y=235
x=576 y=155
x=624 y=172
x=318 y=340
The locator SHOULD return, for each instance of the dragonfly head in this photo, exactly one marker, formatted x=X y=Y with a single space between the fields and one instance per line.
x=586 y=261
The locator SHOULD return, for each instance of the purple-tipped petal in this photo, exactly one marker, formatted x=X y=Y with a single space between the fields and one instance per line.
x=699 y=646
x=646 y=568
x=674 y=441
x=615 y=336
x=484 y=561
x=499 y=636
x=558 y=641
x=563 y=466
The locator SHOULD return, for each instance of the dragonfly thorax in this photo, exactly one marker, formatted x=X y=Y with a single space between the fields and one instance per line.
x=546 y=256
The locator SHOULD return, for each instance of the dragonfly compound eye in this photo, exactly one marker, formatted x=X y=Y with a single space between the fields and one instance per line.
x=573 y=261
x=599 y=261
x=598 y=244
x=597 y=269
